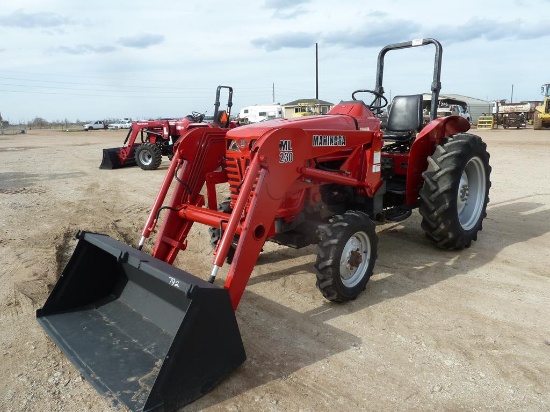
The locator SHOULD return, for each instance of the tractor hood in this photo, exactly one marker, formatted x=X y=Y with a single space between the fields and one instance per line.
x=329 y=122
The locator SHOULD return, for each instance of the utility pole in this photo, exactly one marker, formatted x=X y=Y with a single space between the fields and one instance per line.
x=316 y=71
x=512 y=95
x=273 y=93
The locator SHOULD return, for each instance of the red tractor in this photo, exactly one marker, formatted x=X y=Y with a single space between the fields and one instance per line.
x=157 y=137
x=170 y=336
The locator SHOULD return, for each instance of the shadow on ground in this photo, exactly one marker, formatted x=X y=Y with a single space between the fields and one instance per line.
x=418 y=265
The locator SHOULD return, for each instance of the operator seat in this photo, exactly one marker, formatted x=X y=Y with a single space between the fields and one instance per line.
x=222 y=119
x=404 y=118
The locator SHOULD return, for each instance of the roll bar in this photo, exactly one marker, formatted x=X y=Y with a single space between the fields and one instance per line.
x=436 y=83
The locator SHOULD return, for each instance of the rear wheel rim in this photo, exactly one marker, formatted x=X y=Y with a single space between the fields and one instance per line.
x=355 y=259
x=471 y=193
x=145 y=157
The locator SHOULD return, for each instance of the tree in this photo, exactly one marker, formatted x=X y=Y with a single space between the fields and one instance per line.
x=39 y=122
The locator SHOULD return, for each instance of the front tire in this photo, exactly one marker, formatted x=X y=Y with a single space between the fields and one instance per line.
x=453 y=200
x=537 y=122
x=148 y=156
x=346 y=255
x=215 y=233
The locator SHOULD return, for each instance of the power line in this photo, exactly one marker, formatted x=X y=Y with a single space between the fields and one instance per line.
x=148 y=96
x=119 y=85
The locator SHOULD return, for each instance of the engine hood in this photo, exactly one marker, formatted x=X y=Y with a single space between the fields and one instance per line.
x=321 y=122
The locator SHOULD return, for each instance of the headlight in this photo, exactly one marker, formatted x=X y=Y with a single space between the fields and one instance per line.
x=233 y=146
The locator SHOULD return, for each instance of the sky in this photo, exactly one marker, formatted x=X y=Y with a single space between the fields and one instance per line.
x=63 y=59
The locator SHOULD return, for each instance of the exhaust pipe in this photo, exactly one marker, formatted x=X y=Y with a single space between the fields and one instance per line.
x=141 y=331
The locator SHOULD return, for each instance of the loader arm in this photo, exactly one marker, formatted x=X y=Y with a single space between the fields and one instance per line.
x=199 y=153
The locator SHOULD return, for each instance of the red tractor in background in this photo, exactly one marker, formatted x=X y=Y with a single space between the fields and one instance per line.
x=157 y=137
x=156 y=337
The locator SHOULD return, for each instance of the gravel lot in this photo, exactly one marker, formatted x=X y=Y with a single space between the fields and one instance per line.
x=434 y=330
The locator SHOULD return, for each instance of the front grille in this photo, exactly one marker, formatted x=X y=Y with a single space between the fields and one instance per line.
x=235 y=167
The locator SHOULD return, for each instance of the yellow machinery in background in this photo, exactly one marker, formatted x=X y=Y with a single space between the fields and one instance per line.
x=542 y=112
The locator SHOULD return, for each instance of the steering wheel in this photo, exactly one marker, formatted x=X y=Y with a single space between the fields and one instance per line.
x=197 y=117
x=376 y=95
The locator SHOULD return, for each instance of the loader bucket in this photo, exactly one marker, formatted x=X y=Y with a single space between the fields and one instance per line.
x=140 y=330
x=112 y=161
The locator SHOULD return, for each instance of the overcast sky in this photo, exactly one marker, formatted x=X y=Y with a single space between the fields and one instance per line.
x=61 y=60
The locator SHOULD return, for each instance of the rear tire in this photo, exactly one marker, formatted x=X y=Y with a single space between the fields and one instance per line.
x=148 y=156
x=453 y=200
x=346 y=255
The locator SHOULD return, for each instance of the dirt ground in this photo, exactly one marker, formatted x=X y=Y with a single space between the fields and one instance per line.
x=434 y=330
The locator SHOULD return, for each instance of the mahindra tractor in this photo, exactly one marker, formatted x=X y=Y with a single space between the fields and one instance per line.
x=148 y=141
x=156 y=337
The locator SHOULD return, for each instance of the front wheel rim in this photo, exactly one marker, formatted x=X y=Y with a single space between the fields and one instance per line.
x=471 y=193
x=145 y=157
x=355 y=259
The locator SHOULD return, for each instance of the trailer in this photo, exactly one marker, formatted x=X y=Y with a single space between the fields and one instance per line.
x=513 y=114
x=260 y=113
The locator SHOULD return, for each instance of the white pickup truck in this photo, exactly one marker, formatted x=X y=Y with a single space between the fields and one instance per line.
x=125 y=123
x=98 y=124
x=453 y=109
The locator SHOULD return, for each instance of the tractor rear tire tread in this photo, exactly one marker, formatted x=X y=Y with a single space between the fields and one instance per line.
x=155 y=153
x=438 y=196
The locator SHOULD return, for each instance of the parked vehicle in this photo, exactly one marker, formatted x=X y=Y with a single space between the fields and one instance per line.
x=542 y=112
x=97 y=125
x=149 y=140
x=512 y=114
x=516 y=120
x=125 y=123
x=453 y=110
x=260 y=113
x=114 y=125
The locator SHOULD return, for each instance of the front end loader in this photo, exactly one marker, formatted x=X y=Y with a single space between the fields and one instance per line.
x=541 y=117
x=156 y=337
x=148 y=141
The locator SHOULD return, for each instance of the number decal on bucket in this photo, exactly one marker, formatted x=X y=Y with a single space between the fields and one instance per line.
x=174 y=282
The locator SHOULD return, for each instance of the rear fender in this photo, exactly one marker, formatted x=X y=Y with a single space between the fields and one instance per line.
x=423 y=147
